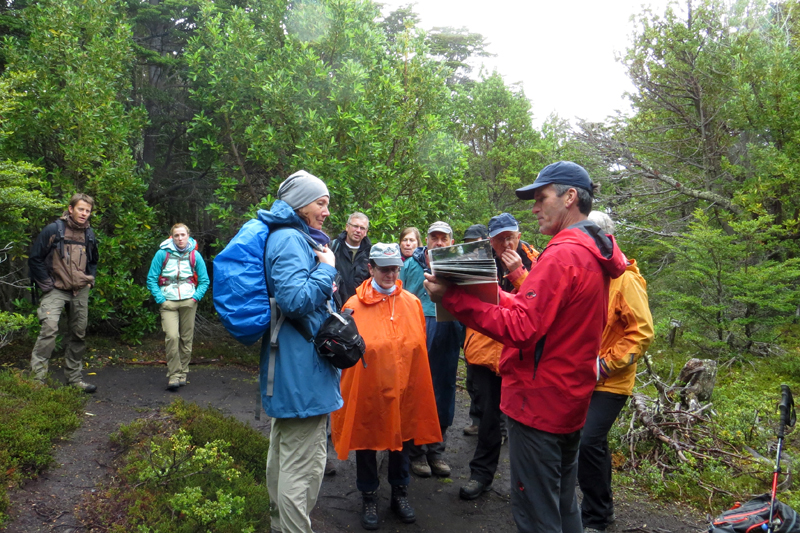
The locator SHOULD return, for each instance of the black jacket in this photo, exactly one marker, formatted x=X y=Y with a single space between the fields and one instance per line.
x=352 y=270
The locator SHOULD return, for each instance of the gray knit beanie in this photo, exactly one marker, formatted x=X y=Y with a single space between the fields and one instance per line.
x=301 y=188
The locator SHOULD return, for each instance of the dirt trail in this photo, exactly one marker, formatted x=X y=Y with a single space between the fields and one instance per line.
x=125 y=393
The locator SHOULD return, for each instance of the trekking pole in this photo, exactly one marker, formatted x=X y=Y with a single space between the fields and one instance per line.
x=787 y=418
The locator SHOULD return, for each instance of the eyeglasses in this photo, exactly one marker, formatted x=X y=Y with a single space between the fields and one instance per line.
x=356 y=226
x=388 y=270
x=506 y=239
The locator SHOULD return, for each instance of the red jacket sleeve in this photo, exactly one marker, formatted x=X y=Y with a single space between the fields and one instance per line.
x=523 y=318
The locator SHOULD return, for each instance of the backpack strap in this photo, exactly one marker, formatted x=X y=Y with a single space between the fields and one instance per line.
x=277 y=319
x=166 y=260
x=58 y=242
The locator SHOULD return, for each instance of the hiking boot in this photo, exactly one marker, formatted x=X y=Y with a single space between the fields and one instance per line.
x=174 y=384
x=473 y=489
x=593 y=530
x=420 y=467
x=369 y=510
x=85 y=387
x=400 y=505
x=330 y=467
x=439 y=467
x=471 y=431
x=182 y=382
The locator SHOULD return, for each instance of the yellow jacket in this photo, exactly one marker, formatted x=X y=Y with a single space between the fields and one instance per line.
x=628 y=332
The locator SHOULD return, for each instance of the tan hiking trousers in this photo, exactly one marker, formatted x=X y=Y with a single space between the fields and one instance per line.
x=50 y=308
x=177 y=321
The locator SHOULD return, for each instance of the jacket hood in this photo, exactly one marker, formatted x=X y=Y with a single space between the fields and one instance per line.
x=419 y=256
x=169 y=245
x=602 y=246
x=281 y=215
x=367 y=294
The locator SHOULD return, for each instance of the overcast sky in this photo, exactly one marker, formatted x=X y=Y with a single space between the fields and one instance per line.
x=562 y=50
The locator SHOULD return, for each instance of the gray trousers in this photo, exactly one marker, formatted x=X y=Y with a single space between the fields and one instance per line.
x=49 y=312
x=544 y=471
x=295 y=466
x=177 y=321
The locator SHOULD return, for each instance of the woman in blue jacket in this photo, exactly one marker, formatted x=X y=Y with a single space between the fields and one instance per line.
x=305 y=387
x=178 y=279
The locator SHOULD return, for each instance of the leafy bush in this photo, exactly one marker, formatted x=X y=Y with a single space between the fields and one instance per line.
x=206 y=424
x=191 y=470
x=32 y=416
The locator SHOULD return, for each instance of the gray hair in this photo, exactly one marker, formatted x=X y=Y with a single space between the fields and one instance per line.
x=358 y=214
x=584 y=196
x=602 y=220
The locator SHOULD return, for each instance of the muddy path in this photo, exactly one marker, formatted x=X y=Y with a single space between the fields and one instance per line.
x=127 y=392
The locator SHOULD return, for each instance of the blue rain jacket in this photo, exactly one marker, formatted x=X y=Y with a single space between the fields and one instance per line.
x=305 y=384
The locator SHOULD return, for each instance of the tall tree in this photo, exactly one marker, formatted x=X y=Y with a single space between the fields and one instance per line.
x=326 y=98
x=505 y=152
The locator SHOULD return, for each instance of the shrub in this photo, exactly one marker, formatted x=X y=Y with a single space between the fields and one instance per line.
x=32 y=417
x=191 y=469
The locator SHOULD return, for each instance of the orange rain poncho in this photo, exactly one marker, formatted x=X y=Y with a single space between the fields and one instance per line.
x=390 y=401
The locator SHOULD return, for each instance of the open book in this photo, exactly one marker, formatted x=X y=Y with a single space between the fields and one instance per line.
x=470 y=265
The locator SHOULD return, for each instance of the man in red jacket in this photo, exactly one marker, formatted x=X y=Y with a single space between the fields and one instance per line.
x=551 y=331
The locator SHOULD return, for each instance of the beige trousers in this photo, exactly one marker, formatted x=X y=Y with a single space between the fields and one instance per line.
x=295 y=466
x=49 y=312
x=177 y=321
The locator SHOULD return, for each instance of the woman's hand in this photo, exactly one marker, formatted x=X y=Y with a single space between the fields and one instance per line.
x=326 y=256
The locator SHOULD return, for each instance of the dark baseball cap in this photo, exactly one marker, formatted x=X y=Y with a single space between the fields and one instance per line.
x=502 y=222
x=476 y=231
x=563 y=172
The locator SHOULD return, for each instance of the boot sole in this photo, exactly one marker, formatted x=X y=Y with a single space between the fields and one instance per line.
x=470 y=496
x=369 y=527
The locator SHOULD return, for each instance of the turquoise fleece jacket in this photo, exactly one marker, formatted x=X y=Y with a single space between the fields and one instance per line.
x=178 y=270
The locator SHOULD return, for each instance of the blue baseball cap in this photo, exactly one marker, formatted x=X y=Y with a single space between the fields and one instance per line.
x=502 y=222
x=563 y=172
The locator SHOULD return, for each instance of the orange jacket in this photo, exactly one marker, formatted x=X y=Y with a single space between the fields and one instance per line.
x=628 y=332
x=480 y=349
x=390 y=401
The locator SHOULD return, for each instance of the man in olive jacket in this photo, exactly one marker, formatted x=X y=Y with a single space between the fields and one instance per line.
x=63 y=264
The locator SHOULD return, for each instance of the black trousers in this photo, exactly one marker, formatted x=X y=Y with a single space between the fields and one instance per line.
x=367 y=469
x=486 y=387
x=594 y=461
x=543 y=474
x=474 y=412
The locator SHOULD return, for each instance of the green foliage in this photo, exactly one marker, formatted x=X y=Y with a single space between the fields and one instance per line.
x=32 y=418
x=504 y=151
x=326 y=98
x=72 y=118
x=185 y=473
x=205 y=424
x=11 y=323
x=728 y=292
